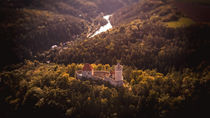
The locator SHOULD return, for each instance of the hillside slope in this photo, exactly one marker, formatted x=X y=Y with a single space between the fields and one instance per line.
x=159 y=41
x=153 y=10
x=28 y=27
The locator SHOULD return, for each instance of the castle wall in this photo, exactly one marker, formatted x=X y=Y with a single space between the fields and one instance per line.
x=101 y=73
x=115 y=79
x=113 y=82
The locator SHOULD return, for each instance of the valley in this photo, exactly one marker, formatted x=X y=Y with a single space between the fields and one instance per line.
x=104 y=58
x=45 y=23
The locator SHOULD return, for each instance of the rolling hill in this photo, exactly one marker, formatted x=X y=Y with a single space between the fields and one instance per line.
x=154 y=39
x=28 y=27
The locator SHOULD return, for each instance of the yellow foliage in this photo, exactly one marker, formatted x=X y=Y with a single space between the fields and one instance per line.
x=151 y=78
x=69 y=112
x=52 y=82
x=134 y=27
x=65 y=75
x=88 y=98
x=80 y=66
x=14 y=101
x=182 y=22
x=163 y=98
x=104 y=100
x=94 y=66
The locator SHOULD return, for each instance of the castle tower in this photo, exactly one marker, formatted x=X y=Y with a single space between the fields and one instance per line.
x=87 y=71
x=118 y=72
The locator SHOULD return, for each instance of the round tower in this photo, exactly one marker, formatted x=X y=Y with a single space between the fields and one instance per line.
x=118 y=72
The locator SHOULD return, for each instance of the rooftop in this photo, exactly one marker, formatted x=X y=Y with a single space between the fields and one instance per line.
x=87 y=67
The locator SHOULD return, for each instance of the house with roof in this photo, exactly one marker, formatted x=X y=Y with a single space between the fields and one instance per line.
x=115 y=77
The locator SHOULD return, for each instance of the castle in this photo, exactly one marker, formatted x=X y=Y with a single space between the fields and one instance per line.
x=113 y=77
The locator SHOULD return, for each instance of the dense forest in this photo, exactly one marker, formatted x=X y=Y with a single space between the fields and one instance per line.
x=34 y=89
x=28 y=27
x=160 y=41
x=163 y=46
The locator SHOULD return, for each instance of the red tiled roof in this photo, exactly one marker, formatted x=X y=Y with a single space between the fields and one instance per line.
x=112 y=72
x=87 y=67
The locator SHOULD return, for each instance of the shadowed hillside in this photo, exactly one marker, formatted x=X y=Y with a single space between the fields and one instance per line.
x=31 y=26
x=153 y=39
x=153 y=10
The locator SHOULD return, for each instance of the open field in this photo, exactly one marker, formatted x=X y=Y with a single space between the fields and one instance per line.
x=182 y=22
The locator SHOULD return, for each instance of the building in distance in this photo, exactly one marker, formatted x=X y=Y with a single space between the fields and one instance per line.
x=115 y=77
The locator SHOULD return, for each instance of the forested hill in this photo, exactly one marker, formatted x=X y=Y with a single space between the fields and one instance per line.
x=163 y=10
x=155 y=39
x=164 y=52
x=31 y=26
x=155 y=10
x=35 y=89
